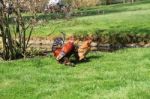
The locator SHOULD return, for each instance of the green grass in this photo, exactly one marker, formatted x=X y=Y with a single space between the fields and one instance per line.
x=124 y=74
x=119 y=18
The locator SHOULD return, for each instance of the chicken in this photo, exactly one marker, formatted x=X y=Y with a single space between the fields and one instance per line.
x=66 y=50
x=63 y=53
x=84 y=49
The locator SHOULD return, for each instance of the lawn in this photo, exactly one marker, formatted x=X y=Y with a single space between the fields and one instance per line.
x=124 y=74
x=117 y=18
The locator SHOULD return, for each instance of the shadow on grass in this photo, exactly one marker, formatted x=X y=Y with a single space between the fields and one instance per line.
x=88 y=59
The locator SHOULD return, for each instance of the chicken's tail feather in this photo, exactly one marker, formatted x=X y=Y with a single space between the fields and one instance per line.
x=58 y=42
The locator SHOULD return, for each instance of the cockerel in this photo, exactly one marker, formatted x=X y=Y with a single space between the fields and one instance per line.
x=62 y=52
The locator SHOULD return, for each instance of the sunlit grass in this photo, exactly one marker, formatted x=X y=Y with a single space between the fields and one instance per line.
x=124 y=74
